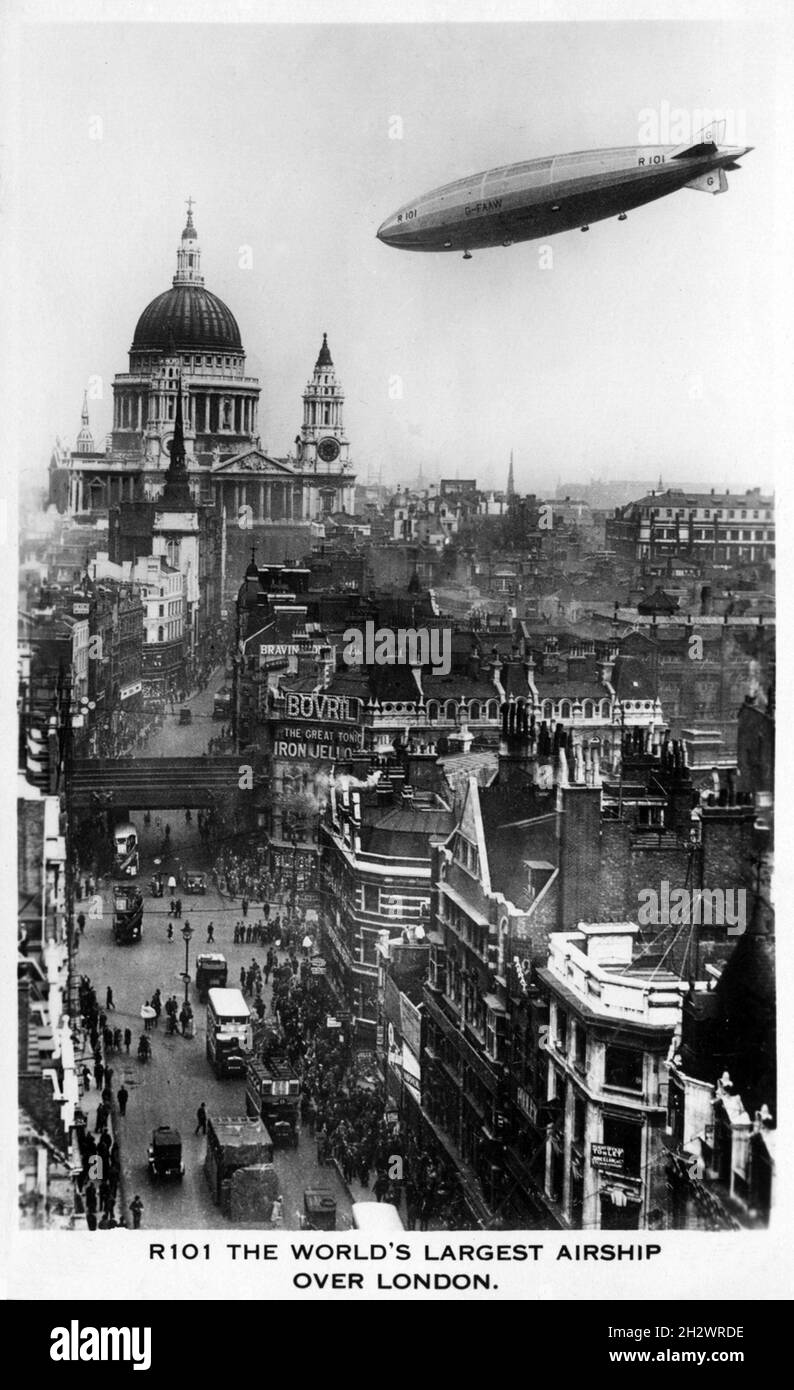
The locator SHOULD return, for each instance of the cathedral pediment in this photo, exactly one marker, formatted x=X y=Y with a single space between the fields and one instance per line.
x=251 y=461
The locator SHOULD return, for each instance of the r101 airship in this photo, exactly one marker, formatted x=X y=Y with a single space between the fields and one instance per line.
x=539 y=197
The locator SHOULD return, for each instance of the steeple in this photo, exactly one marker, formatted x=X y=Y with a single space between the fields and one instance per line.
x=85 y=439
x=188 y=256
x=511 y=487
x=176 y=493
x=324 y=358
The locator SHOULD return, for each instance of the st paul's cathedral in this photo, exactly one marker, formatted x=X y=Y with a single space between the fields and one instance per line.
x=188 y=337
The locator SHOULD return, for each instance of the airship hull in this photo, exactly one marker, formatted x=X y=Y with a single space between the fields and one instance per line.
x=524 y=202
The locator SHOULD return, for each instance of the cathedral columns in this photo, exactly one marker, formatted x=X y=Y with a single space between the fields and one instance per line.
x=261 y=501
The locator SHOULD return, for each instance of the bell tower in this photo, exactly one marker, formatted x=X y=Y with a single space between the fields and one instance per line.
x=321 y=444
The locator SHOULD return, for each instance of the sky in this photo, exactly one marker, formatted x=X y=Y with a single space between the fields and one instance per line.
x=646 y=349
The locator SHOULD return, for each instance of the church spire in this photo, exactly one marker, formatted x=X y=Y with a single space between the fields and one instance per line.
x=188 y=256
x=85 y=439
x=176 y=493
x=511 y=487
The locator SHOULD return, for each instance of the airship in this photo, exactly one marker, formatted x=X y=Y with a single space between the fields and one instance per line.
x=539 y=197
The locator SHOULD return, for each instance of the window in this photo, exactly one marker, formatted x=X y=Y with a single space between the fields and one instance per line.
x=161 y=634
x=495 y=1035
x=625 y=1134
x=561 y=1030
x=579 y=1047
x=371 y=897
x=578 y=1120
x=623 y=1068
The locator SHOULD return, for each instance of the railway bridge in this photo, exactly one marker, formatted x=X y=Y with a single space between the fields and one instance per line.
x=99 y=784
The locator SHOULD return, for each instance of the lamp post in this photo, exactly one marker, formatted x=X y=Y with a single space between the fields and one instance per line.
x=187 y=934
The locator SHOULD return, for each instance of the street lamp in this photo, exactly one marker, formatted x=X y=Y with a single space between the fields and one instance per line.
x=187 y=934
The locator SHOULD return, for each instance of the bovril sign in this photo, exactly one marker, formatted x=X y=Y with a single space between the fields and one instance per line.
x=338 y=709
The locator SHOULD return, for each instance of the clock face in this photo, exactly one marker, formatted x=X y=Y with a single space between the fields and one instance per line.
x=328 y=449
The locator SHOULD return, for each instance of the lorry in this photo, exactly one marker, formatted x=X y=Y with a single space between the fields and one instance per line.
x=233 y=1141
x=273 y=1094
x=127 y=913
x=228 y=1032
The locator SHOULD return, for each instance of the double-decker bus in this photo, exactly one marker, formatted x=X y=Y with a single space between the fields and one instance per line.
x=228 y=1032
x=125 y=847
x=127 y=913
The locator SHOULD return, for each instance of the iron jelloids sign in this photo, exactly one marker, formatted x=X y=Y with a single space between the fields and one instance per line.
x=318 y=727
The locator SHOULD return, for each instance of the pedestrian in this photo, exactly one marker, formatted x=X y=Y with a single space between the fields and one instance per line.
x=178 y=908
x=86 y=1079
x=277 y=1213
x=183 y=1018
x=122 y=1096
x=101 y=1117
x=172 y=885
x=99 y=1072
x=109 y=999
x=157 y=1005
x=117 y=1040
x=81 y=922
x=172 y=906
x=136 y=1207
x=147 y=1016
x=201 y=1116
x=210 y=934
x=244 y=905
x=170 y=932
x=127 y=1039
x=108 y=1075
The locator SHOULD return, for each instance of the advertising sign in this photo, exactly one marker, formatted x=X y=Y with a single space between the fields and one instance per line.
x=607 y=1158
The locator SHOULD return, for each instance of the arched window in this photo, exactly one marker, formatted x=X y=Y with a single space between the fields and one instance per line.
x=548 y=709
x=432 y=712
x=605 y=709
x=587 y=709
x=565 y=709
x=474 y=709
x=493 y=709
x=451 y=710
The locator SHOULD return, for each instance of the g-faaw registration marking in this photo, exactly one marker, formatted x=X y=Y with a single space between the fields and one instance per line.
x=76 y=1343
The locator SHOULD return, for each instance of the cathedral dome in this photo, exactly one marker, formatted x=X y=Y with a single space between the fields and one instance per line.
x=187 y=318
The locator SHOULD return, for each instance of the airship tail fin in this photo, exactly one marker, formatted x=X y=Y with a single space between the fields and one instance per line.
x=714 y=182
x=705 y=142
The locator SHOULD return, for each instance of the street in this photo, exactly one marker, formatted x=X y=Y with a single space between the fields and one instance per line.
x=169 y=1089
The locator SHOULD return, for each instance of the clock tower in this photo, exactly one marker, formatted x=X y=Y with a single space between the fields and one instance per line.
x=321 y=444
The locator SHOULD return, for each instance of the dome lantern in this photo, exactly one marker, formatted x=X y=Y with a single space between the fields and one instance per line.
x=188 y=256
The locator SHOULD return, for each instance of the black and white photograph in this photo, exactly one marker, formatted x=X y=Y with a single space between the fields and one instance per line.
x=400 y=402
